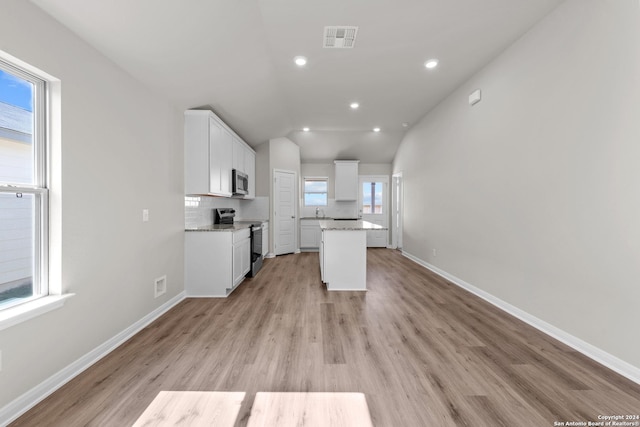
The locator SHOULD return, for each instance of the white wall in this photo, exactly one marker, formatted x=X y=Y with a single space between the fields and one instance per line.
x=262 y=170
x=533 y=194
x=121 y=151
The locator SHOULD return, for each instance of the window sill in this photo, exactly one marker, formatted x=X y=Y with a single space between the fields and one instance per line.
x=20 y=313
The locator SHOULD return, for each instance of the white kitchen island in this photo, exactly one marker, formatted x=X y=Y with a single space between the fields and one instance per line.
x=343 y=254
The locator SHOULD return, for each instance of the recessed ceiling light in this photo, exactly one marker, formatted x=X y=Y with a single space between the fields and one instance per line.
x=432 y=63
x=376 y=129
x=300 y=61
x=354 y=105
x=305 y=129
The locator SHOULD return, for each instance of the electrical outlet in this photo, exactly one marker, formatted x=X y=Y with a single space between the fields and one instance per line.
x=435 y=252
x=159 y=286
x=145 y=215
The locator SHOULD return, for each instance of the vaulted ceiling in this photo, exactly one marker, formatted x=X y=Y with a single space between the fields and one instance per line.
x=236 y=56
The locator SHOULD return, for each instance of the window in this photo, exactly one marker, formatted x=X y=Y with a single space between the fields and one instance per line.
x=23 y=187
x=372 y=197
x=315 y=191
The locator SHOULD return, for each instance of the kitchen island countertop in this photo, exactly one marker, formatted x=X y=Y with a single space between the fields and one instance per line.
x=358 y=225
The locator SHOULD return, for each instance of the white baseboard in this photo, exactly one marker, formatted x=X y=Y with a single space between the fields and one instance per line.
x=612 y=362
x=34 y=396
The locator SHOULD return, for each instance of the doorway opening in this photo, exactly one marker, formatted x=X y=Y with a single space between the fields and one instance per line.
x=373 y=203
x=396 y=211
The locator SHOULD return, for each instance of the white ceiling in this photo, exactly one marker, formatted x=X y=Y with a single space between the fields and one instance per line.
x=236 y=56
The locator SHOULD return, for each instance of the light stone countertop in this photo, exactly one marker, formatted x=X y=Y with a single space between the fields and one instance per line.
x=358 y=225
x=242 y=220
x=220 y=227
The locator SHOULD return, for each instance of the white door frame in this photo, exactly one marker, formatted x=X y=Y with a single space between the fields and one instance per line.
x=385 y=203
x=274 y=205
x=397 y=205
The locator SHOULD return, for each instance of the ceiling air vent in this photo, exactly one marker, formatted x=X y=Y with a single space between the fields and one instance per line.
x=339 y=37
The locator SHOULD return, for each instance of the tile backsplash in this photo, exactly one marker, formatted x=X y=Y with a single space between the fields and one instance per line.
x=332 y=210
x=198 y=210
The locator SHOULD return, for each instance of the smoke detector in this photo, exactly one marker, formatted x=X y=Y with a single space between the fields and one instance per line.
x=339 y=37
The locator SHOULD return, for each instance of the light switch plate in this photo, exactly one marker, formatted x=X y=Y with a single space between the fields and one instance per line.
x=475 y=97
x=145 y=215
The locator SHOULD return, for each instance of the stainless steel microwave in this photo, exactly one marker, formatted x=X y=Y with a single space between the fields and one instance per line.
x=240 y=182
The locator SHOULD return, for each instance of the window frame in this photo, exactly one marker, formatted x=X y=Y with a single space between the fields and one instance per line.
x=324 y=179
x=40 y=187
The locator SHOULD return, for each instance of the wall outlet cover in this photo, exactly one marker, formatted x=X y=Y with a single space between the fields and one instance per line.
x=159 y=286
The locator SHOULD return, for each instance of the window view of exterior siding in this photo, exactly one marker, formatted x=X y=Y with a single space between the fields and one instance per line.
x=315 y=191
x=17 y=210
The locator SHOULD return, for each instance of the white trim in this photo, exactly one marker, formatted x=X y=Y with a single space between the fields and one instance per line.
x=28 y=400
x=208 y=295
x=23 y=312
x=396 y=199
x=610 y=361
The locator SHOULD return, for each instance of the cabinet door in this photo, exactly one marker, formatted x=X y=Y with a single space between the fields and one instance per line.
x=346 y=177
x=238 y=155
x=225 y=153
x=238 y=262
x=215 y=159
x=250 y=169
x=321 y=243
x=265 y=240
x=196 y=153
x=208 y=264
x=246 y=256
x=308 y=236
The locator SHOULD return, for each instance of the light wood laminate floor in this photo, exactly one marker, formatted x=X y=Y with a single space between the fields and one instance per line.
x=423 y=351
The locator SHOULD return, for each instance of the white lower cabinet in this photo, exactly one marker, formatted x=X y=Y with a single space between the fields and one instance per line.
x=216 y=261
x=241 y=255
x=310 y=234
x=321 y=256
x=265 y=239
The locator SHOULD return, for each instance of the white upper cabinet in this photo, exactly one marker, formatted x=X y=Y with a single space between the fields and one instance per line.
x=238 y=155
x=207 y=154
x=346 y=177
x=224 y=146
x=212 y=150
x=250 y=169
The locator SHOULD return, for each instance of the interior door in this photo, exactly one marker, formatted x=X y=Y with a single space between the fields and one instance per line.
x=284 y=212
x=373 y=207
